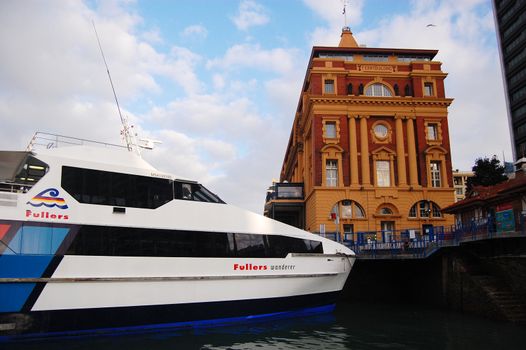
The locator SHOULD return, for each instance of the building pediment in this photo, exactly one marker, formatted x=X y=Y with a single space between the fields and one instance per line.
x=435 y=150
x=383 y=151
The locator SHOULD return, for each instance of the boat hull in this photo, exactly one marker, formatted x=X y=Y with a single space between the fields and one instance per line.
x=81 y=293
x=137 y=318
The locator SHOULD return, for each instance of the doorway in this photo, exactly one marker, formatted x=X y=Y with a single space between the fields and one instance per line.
x=428 y=232
x=388 y=230
x=348 y=233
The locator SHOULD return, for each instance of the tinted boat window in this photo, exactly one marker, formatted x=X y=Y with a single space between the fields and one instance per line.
x=282 y=245
x=195 y=192
x=109 y=188
x=125 y=241
x=250 y=246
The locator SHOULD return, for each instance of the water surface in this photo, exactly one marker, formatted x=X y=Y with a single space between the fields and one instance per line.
x=351 y=326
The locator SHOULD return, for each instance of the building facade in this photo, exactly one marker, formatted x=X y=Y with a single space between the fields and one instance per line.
x=498 y=208
x=510 y=18
x=460 y=181
x=369 y=144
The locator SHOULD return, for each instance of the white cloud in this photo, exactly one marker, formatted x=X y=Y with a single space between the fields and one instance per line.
x=250 y=14
x=153 y=36
x=218 y=81
x=213 y=114
x=331 y=12
x=53 y=76
x=240 y=56
x=284 y=94
x=195 y=31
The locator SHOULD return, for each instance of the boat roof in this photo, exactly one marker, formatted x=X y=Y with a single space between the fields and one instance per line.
x=73 y=151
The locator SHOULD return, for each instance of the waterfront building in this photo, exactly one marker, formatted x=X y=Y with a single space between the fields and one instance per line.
x=460 y=180
x=510 y=18
x=369 y=153
x=498 y=208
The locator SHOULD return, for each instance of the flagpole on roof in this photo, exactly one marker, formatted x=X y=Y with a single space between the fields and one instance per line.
x=344 y=12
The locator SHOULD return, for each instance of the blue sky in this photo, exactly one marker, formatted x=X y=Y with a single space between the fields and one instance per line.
x=218 y=81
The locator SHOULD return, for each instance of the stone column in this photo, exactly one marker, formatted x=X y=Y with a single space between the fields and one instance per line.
x=400 y=152
x=364 y=148
x=411 y=152
x=353 y=150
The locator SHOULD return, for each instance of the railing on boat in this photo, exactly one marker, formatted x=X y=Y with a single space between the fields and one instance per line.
x=47 y=140
x=30 y=169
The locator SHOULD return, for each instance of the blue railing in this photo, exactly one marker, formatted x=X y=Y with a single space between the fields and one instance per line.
x=421 y=243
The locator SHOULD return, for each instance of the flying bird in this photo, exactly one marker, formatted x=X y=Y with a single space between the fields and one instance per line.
x=431 y=25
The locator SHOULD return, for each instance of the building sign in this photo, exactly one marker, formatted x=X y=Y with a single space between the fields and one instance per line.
x=375 y=68
x=504 y=218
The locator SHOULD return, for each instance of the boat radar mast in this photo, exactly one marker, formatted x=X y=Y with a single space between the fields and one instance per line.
x=127 y=132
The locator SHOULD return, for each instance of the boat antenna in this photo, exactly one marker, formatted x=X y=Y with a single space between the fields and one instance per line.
x=128 y=134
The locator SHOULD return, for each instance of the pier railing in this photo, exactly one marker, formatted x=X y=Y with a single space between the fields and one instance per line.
x=418 y=243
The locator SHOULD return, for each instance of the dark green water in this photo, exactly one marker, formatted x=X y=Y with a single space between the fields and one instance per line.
x=351 y=326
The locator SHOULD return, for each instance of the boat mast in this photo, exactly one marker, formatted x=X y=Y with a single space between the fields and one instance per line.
x=127 y=132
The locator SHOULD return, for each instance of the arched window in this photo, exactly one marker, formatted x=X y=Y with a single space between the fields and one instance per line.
x=425 y=209
x=386 y=211
x=347 y=209
x=378 y=90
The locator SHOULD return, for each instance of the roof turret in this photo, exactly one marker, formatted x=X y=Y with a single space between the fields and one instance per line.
x=347 y=39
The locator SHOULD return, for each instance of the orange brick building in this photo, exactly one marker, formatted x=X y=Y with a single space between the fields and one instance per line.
x=369 y=152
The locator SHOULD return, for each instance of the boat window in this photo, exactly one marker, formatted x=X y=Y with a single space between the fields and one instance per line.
x=195 y=192
x=126 y=241
x=250 y=246
x=282 y=245
x=117 y=189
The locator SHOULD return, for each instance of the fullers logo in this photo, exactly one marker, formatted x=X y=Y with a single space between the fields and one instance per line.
x=249 y=267
x=254 y=267
x=48 y=198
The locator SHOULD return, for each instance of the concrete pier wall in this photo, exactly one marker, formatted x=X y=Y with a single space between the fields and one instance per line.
x=484 y=278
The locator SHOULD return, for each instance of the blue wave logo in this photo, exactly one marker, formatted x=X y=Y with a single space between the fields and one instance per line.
x=48 y=198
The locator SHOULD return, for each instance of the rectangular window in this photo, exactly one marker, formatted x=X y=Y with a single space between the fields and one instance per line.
x=424 y=209
x=346 y=210
x=375 y=58
x=432 y=131
x=435 y=174
x=329 y=86
x=428 y=89
x=331 y=168
x=348 y=230
x=330 y=130
x=383 y=173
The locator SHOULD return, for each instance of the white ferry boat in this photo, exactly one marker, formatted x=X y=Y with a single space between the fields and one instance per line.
x=95 y=238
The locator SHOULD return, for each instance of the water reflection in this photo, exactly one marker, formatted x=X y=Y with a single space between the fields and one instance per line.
x=352 y=326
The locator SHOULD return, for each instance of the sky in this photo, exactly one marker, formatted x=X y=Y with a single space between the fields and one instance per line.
x=218 y=82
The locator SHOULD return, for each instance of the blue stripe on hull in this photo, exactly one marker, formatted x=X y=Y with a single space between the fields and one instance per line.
x=144 y=318
x=14 y=295
x=30 y=253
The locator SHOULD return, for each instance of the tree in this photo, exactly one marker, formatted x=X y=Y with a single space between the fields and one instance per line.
x=487 y=172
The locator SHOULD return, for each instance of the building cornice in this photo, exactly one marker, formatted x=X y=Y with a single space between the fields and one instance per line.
x=390 y=101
